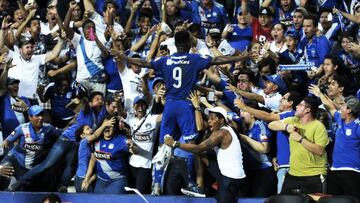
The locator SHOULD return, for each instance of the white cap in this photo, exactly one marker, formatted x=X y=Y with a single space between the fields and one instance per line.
x=221 y=111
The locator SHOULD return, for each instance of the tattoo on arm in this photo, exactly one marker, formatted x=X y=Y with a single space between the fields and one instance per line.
x=209 y=143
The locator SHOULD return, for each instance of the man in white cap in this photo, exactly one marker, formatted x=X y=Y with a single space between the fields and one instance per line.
x=228 y=152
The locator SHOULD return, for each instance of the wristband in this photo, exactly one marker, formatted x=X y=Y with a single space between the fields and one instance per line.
x=197 y=108
x=176 y=144
x=300 y=141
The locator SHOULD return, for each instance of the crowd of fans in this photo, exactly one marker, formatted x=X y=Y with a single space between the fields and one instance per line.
x=105 y=92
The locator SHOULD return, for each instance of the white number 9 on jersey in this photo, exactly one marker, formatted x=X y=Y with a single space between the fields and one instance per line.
x=177 y=74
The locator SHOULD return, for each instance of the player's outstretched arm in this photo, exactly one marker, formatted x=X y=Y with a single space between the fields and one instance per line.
x=231 y=59
x=134 y=61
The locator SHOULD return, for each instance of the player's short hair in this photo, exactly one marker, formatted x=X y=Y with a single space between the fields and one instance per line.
x=182 y=38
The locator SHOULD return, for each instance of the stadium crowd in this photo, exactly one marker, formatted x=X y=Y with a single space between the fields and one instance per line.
x=239 y=98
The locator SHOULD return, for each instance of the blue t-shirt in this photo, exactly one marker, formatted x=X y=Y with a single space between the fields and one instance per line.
x=111 y=158
x=240 y=39
x=350 y=62
x=316 y=51
x=180 y=71
x=91 y=119
x=114 y=82
x=59 y=101
x=282 y=142
x=207 y=18
x=8 y=119
x=346 y=155
x=255 y=160
x=32 y=147
x=84 y=155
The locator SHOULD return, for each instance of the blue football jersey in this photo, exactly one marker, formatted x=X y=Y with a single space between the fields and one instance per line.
x=33 y=146
x=346 y=154
x=110 y=157
x=84 y=155
x=180 y=72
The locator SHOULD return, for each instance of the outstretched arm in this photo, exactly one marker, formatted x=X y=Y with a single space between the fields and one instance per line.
x=230 y=59
x=259 y=114
x=134 y=61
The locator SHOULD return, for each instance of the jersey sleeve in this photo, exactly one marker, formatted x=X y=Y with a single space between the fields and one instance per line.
x=272 y=101
x=16 y=134
x=122 y=144
x=156 y=64
x=264 y=132
x=204 y=62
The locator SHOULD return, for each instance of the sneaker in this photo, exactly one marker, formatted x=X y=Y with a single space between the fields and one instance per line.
x=156 y=189
x=63 y=189
x=193 y=191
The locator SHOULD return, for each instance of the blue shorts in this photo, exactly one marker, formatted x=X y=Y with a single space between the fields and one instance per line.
x=178 y=116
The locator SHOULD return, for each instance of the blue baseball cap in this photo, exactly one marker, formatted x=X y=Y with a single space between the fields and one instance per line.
x=157 y=80
x=35 y=110
x=292 y=33
x=276 y=79
x=139 y=98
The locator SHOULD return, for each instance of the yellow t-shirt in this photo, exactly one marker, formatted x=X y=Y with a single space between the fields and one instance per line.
x=302 y=161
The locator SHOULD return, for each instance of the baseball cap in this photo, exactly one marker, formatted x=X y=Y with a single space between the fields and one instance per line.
x=157 y=80
x=139 y=98
x=35 y=110
x=215 y=33
x=302 y=10
x=134 y=55
x=276 y=79
x=221 y=111
x=265 y=11
x=239 y=11
x=10 y=81
x=353 y=103
x=291 y=33
x=25 y=41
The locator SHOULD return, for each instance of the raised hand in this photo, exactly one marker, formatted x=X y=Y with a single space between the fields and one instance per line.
x=194 y=98
x=315 y=90
x=5 y=23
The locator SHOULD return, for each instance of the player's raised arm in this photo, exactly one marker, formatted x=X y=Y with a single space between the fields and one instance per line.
x=231 y=59
x=134 y=61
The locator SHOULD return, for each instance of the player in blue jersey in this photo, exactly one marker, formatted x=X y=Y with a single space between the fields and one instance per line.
x=180 y=71
x=34 y=142
x=344 y=175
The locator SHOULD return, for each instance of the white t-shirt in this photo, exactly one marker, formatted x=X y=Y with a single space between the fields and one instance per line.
x=93 y=52
x=101 y=26
x=144 y=138
x=45 y=29
x=132 y=86
x=200 y=47
x=275 y=49
x=272 y=101
x=27 y=72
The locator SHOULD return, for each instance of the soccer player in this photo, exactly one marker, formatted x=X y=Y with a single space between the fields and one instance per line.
x=180 y=72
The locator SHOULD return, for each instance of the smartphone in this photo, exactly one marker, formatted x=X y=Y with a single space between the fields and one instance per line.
x=211 y=96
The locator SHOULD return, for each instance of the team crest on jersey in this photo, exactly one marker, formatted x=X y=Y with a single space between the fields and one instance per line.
x=69 y=95
x=204 y=56
x=111 y=146
x=148 y=125
x=263 y=137
x=27 y=135
x=348 y=132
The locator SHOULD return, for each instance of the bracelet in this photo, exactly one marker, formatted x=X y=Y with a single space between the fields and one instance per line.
x=176 y=144
x=300 y=141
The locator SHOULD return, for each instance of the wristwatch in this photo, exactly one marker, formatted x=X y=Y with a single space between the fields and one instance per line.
x=176 y=144
x=301 y=139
